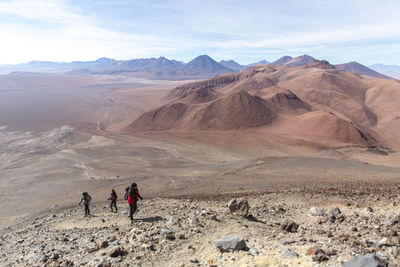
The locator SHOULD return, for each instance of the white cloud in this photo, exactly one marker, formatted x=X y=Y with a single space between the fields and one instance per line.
x=63 y=32
x=54 y=11
x=59 y=30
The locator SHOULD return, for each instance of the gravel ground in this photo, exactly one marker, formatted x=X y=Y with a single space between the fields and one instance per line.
x=333 y=226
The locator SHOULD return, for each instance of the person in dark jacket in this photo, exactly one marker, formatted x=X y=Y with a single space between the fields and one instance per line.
x=126 y=193
x=113 y=197
x=133 y=197
x=86 y=198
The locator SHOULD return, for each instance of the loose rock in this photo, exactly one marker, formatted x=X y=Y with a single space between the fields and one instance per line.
x=233 y=243
x=240 y=208
x=317 y=212
x=288 y=253
x=368 y=260
x=289 y=226
x=117 y=251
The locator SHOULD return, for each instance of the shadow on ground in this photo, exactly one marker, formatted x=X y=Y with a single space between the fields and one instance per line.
x=151 y=219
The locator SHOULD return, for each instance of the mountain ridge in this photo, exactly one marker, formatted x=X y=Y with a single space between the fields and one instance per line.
x=389 y=70
x=358 y=68
x=202 y=66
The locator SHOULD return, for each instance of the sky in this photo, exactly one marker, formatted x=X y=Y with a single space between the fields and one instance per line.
x=246 y=31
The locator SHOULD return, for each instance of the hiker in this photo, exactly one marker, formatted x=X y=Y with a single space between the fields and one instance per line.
x=86 y=198
x=113 y=197
x=133 y=195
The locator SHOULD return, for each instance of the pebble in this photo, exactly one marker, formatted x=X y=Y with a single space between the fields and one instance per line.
x=288 y=253
x=314 y=211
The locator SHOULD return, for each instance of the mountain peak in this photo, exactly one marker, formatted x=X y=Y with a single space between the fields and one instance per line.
x=203 y=57
x=281 y=61
x=231 y=64
x=105 y=59
x=300 y=61
x=204 y=64
x=321 y=64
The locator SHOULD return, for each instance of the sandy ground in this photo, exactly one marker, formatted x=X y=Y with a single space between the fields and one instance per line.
x=38 y=175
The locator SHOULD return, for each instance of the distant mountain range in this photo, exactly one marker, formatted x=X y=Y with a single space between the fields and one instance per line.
x=200 y=67
x=233 y=65
x=360 y=69
x=389 y=70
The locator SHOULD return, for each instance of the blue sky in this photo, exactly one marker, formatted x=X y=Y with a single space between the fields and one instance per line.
x=247 y=31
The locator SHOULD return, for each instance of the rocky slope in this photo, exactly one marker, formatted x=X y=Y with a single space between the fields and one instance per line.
x=321 y=227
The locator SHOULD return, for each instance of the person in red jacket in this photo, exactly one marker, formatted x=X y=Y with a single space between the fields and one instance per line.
x=133 y=197
x=113 y=197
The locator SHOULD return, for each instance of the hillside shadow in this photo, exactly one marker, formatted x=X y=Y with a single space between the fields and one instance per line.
x=150 y=219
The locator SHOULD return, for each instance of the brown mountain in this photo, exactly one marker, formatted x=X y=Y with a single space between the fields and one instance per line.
x=233 y=111
x=300 y=61
x=198 y=96
x=315 y=103
x=321 y=123
x=297 y=61
x=321 y=64
x=288 y=102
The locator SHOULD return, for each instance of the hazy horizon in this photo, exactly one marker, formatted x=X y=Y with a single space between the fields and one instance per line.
x=71 y=30
x=155 y=57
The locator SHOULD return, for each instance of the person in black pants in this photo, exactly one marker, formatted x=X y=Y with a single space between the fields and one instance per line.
x=86 y=198
x=113 y=197
x=133 y=197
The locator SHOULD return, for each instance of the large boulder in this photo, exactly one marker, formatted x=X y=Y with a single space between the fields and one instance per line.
x=241 y=208
x=368 y=260
x=232 y=243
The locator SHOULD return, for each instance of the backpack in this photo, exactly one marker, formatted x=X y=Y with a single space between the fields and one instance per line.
x=87 y=198
x=132 y=196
